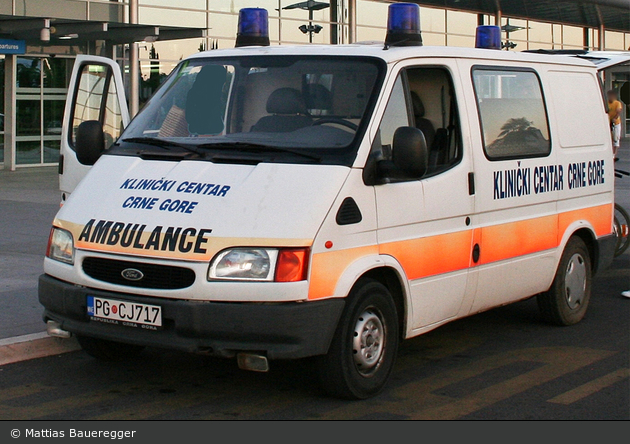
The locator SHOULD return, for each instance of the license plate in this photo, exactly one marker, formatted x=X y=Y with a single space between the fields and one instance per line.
x=130 y=314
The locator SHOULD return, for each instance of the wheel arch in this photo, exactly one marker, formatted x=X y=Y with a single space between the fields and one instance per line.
x=391 y=280
x=591 y=243
x=586 y=232
x=387 y=271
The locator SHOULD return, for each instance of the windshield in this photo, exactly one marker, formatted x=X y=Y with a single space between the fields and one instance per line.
x=280 y=108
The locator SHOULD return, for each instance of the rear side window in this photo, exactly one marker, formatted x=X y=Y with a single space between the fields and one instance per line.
x=512 y=112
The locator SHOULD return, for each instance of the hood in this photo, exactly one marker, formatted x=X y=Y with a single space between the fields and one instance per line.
x=192 y=210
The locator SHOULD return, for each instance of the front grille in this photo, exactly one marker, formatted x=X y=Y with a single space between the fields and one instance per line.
x=163 y=277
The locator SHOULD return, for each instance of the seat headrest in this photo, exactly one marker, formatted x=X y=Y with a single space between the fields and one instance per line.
x=211 y=76
x=286 y=101
x=204 y=112
x=418 y=106
x=318 y=97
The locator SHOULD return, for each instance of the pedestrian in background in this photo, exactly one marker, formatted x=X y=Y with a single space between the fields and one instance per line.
x=614 y=116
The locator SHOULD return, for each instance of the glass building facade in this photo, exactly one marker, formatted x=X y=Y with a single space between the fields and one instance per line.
x=43 y=72
x=440 y=27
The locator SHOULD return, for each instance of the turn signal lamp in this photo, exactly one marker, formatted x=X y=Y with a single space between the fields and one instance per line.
x=253 y=27
x=292 y=265
x=403 y=25
x=488 y=37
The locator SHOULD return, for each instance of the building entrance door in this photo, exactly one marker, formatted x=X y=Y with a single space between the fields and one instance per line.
x=41 y=90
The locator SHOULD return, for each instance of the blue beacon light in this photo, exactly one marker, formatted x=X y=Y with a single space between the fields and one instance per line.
x=253 y=27
x=403 y=25
x=488 y=37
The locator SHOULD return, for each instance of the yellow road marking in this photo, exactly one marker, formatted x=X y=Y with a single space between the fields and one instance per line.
x=591 y=387
x=9 y=393
x=63 y=405
x=558 y=360
x=166 y=403
x=257 y=405
x=416 y=400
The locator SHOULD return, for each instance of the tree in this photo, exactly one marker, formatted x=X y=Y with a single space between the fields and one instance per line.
x=514 y=126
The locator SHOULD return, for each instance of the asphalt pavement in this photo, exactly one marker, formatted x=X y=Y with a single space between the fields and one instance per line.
x=502 y=364
x=29 y=200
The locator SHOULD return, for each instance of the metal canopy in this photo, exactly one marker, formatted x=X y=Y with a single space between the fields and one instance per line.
x=613 y=14
x=65 y=32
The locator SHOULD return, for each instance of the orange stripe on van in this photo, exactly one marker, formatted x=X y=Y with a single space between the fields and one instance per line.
x=213 y=245
x=445 y=253
x=430 y=256
x=327 y=268
x=505 y=241
x=600 y=217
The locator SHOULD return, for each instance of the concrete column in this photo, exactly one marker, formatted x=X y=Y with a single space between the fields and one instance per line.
x=10 y=84
x=206 y=38
x=352 y=21
x=586 y=41
x=497 y=13
x=134 y=64
x=601 y=44
x=334 y=17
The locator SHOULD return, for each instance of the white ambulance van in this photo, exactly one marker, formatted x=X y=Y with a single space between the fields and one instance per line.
x=327 y=201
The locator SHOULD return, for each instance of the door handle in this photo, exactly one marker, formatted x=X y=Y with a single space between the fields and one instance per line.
x=471 y=184
x=476 y=253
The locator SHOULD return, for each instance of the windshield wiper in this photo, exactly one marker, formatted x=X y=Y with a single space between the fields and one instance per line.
x=163 y=143
x=257 y=147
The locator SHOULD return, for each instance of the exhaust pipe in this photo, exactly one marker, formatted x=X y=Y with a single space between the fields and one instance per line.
x=54 y=329
x=252 y=362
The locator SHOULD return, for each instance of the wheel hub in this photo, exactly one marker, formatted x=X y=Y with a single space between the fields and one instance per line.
x=368 y=343
x=575 y=281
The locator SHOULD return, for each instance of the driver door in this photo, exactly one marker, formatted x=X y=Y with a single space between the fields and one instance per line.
x=426 y=223
x=96 y=92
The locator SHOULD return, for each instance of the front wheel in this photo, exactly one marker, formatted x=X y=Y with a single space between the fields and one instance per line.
x=364 y=348
x=565 y=303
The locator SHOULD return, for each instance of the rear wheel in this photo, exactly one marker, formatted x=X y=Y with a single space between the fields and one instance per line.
x=364 y=348
x=108 y=350
x=565 y=303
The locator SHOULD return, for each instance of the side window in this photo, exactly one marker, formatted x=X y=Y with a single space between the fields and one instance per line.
x=435 y=113
x=112 y=116
x=97 y=99
x=512 y=113
x=395 y=116
x=429 y=93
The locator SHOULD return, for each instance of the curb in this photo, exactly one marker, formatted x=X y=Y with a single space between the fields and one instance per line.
x=33 y=346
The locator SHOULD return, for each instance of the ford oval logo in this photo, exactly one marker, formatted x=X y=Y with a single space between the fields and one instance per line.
x=131 y=274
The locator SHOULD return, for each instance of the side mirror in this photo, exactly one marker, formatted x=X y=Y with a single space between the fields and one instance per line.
x=90 y=142
x=410 y=152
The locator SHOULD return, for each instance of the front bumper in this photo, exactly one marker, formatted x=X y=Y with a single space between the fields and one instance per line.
x=278 y=330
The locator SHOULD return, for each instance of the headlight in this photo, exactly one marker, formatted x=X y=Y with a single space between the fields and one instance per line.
x=254 y=264
x=260 y=264
x=60 y=246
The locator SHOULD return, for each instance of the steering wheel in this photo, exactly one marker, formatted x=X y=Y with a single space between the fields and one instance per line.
x=338 y=121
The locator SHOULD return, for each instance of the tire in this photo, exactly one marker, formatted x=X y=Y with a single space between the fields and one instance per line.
x=566 y=302
x=108 y=350
x=364 y=348
x=621 y=227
